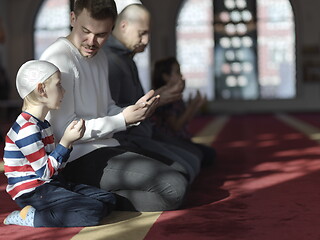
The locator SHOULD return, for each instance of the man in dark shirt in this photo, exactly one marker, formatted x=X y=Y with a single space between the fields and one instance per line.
x=131 y=36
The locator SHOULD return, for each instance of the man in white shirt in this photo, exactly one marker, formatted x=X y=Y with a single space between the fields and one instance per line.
x=140 y=183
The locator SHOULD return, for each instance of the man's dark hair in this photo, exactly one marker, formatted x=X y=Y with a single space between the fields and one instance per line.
x=98 y=9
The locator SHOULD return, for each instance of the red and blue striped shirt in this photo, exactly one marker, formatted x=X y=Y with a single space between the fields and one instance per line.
x=30 y=155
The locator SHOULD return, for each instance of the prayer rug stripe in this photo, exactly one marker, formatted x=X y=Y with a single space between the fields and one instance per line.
x=308 y=129
x=120 y=225
x=209 y=133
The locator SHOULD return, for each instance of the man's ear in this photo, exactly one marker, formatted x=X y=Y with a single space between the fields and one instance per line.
x=72 y=18
x=123 y=24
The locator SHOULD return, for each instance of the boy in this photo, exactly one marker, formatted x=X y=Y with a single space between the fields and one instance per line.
x=32 y=161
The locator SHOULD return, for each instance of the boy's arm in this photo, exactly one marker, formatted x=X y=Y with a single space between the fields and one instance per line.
x=32 y=147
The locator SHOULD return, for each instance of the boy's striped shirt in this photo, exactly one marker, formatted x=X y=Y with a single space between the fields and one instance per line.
x=30 y=156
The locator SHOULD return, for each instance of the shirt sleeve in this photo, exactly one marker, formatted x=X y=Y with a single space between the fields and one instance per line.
x=32 y=147
x=96 y=127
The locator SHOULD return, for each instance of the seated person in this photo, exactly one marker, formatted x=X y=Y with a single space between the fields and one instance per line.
x=173 y=118
x=130 y=36
x=140 y=183
x=32 y=162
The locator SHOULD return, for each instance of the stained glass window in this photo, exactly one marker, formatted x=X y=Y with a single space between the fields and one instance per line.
x=238 y=49
x=195 y=46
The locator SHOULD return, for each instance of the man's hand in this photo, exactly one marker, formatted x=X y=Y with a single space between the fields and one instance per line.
x=143 y=108
x=146 y=97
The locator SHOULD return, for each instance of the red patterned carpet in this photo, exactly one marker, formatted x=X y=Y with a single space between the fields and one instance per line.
x=264 y=186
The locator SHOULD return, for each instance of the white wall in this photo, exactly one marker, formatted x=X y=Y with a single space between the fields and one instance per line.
x=19 y=17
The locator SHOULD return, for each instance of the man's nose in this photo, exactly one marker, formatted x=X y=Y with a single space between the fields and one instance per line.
x=91 y=39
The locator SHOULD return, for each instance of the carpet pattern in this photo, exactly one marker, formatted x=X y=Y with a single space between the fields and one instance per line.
x=263 y=186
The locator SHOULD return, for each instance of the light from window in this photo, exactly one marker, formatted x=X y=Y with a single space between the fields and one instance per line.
x=276 y=48
x=52 y=21
x=195 y=46
x=142 y=61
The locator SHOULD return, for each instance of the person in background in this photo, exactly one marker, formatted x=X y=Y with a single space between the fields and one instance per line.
x=140 y=183
x=173 y=118
x=32 y=161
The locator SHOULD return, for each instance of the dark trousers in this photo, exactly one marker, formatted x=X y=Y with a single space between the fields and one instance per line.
x=64 y=204
x=139 y=182
x=207 y=154
x=183 y=160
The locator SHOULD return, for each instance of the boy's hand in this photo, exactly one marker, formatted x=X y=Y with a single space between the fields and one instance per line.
x=73 y=132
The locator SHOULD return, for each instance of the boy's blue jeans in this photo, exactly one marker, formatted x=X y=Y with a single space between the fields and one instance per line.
x=63 y=204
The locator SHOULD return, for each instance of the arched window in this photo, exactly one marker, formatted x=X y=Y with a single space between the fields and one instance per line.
x=252 y=45
x=52 y=21
x=195 y=46
x=276 y=49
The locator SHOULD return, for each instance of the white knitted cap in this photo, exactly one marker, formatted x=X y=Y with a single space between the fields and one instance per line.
x=31 y=73
x=121 y=4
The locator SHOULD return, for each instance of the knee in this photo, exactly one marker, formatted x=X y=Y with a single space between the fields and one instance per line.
x=173 y=191
x=93 y=215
